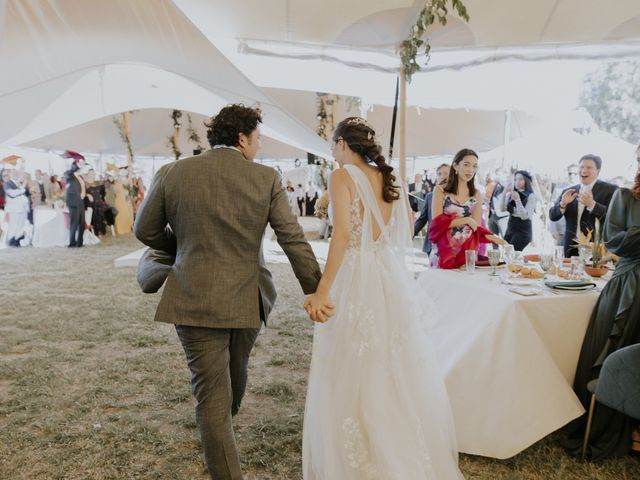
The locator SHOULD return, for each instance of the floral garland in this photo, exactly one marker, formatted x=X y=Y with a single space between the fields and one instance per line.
x=432 y=11
x=193 y=134
x=124 y=133
x=172 y=141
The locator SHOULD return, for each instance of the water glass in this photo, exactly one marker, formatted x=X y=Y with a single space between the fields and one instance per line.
x=509 y=253
x=470 y=257
x=547 y=260
x=576 y=267
x=494 y=260
x=558 y=258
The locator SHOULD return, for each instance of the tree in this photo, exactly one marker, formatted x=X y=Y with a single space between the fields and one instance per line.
x=611 y=94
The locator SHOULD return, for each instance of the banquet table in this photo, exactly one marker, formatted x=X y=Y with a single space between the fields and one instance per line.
x=50 y=228
x=509 y=361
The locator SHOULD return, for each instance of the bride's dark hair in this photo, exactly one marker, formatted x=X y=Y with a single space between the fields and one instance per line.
x=360 y=138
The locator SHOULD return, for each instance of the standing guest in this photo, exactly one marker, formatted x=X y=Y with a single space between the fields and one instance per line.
x=42 y=188
x=498 y=215
x=442 y=174
x=414 y=189
x=521 y=206
x=219 y=291
x=300 y=195
x=3 y=196
x=123 y=205
x=558 y=227
x=137 y=193
x=56 y=188
x=456 y=225
x=95 y=200
x=16 y=206
x=311 y=197
x=614 y=324
x=75 y=193
x=581 y=204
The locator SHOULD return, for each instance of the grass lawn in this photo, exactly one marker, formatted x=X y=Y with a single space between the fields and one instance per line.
x=92 y=388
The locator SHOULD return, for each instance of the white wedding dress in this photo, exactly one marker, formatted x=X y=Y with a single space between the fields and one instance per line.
x=376 y=404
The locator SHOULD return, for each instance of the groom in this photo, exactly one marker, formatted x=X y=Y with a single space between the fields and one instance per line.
x=217 y=206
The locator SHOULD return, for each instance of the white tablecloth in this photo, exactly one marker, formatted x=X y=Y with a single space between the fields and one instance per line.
x=50 y=228
x=509 y=360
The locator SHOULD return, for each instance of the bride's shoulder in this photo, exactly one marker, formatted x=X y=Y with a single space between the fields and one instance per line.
x=340 y=176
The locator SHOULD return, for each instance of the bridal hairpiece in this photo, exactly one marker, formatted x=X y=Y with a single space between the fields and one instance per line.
x=362 y=122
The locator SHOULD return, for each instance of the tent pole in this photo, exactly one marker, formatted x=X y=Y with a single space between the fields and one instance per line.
x=507 y=137
x=403 y=116
x=125 y=116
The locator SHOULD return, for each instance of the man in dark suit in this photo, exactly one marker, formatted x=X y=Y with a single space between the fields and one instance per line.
x=581 y=204
x=218 y=289
x=442 y=173
x=75 y=194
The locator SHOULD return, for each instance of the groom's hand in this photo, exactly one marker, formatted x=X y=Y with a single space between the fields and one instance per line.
x=319 y=307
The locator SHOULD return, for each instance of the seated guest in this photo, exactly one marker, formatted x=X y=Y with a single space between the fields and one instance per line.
x=442 y=173
x=581 y=204
x=457 y=215
x=614 y=324
x=521 y=205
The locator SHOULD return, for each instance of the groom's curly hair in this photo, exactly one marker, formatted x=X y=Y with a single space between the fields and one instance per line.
x=231 y=121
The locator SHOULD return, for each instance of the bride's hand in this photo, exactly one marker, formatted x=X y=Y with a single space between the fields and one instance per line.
x=319 y=307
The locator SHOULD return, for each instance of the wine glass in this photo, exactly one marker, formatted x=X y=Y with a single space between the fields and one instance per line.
x=547 y=261
x=558 y=258
x=494 y=260
x=509 y=253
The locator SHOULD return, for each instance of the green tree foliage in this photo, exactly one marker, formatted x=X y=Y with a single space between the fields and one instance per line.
x=611 y=94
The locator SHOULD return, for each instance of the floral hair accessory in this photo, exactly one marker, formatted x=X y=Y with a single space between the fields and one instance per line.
x=362 y=122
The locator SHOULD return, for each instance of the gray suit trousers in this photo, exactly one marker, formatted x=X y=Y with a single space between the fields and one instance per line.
x=218 y=360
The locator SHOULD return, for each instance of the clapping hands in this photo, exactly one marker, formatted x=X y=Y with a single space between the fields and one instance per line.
x=319 y=307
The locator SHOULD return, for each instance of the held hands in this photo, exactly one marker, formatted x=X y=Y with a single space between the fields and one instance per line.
x=515 y=196
x=319 y=307
x=568 y=197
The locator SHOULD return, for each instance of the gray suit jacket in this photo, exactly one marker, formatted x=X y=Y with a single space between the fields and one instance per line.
x=218 y=205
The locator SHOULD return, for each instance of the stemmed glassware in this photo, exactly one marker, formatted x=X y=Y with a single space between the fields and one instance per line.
x=494 y=259
x=558 y=258
x=547 y=260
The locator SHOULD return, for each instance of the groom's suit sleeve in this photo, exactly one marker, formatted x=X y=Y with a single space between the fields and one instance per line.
x=291 y=238
x=150 y=226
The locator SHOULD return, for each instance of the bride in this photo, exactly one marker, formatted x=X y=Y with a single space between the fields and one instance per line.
x=376 y=405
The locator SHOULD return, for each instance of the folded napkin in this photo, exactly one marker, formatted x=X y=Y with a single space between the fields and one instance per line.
x=484 y=262
x=570 y=285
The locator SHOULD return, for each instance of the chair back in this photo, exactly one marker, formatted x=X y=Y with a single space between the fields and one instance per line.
x=619 y=381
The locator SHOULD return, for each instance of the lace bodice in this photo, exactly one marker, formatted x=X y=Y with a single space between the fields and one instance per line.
x=355 y=223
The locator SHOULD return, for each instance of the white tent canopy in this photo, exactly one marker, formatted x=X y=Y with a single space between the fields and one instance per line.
x=554 y=150
x=70 y=61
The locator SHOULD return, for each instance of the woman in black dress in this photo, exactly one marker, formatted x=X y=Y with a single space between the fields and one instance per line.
x=614 y=324
x=521 y=205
